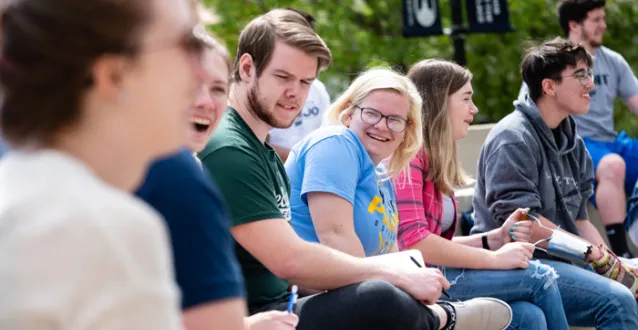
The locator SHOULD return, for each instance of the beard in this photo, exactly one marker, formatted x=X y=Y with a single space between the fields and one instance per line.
x=587 y=37
x=257 y=107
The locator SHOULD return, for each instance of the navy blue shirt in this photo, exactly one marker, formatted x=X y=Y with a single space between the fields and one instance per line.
x=206 y=268
x=3 y=147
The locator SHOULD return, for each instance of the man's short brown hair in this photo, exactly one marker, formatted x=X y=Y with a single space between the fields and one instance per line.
x=289 y=26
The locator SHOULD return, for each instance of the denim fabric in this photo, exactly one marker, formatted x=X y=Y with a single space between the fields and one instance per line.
x=532 y=293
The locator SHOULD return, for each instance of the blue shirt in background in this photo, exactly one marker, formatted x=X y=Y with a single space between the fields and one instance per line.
x=333 y=160
x=206 y=268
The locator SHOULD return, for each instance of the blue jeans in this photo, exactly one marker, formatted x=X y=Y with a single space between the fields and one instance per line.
x=591 y=300
x=532 y=293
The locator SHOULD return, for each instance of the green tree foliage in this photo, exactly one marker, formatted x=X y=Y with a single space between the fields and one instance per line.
x=363 y=33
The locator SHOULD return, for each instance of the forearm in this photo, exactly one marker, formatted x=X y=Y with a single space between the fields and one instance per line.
x=494 y=240
x=442 y=252
x=224 y=314
x=584 y=226
x=324 y=268
x=632 y=103
x=345 y=242
x=589 y=232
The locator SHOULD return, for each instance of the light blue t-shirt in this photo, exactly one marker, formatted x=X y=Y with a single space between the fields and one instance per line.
x=333 y=160
x=613 y=79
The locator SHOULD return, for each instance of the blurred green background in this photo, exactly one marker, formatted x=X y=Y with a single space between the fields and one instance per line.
x=364 y=33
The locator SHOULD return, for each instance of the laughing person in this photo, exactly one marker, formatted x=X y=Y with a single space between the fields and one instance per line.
x=206 y=268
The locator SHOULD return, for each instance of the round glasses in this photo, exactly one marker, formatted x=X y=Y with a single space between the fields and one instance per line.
x=583 y=76
x=372 y=116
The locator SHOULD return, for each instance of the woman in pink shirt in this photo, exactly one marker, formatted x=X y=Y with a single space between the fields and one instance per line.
x=478 y=265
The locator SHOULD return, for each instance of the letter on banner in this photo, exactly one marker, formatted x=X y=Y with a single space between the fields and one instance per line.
x=421 y=18
x=488 y=16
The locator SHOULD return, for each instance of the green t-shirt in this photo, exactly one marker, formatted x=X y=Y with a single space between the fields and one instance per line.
x=254 y=183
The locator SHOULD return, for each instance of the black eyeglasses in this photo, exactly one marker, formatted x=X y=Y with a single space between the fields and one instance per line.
x=373 y=116
x=583 y=76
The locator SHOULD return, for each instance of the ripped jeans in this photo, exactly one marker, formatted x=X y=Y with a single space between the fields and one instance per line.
x=532 y=293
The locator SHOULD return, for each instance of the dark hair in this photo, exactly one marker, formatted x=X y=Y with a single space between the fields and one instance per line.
x=48 y=48
x=290 y=26
x=576 y=10
x=548 y=60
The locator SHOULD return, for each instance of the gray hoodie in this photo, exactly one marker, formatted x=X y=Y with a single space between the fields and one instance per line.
x=521 y=165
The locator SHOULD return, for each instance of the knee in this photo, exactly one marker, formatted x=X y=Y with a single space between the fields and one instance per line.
x=543 y=276
x=377 y=294
x=618 y=299
x=621 y=295
x=612 y=168
x=526 y=315
x=385 y=303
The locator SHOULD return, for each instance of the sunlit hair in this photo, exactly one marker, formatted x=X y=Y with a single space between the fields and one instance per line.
x=436 y=80
x=207 y=19
x=383 y=79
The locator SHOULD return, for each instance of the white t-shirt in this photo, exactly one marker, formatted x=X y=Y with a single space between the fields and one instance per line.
x=308 y=120
x=77 y=254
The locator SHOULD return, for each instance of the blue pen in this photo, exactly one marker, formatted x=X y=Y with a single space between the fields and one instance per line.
x=293 y=298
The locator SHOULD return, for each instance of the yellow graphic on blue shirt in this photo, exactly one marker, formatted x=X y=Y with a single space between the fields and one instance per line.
x=384 y=204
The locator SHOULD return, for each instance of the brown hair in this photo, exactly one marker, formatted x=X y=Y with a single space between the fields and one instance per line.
x=260 y=35
x=576 y=10
x=48 y=48
x=436 y=80
x=548 y=60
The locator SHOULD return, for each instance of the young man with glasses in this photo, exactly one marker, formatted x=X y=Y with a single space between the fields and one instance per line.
x=614 y=155
x=533 y=158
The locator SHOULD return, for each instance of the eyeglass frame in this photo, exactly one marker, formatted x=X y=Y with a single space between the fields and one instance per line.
x=589 y=74
x=387 y=124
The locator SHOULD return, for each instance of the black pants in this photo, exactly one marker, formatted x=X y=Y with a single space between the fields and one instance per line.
x=370 y=305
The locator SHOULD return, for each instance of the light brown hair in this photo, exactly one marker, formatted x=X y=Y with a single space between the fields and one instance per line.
x=436 y=80
x=289 y=26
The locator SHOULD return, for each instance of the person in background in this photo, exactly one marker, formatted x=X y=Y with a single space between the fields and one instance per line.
x=308 y=120
x=79 y=86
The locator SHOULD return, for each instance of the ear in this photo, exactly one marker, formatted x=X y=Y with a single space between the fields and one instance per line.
x=549 y=87
x=107 y=74
x=573 y=25
x=246 y=67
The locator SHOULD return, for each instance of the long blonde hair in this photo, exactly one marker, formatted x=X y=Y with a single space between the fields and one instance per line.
x=436 y=80
x=383 y=79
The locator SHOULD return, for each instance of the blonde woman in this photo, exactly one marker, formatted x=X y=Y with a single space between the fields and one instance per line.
x=427 y=211
x=379 y=116
x=341 y=193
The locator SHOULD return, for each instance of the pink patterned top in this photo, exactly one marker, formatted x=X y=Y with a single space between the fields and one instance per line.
x=420 y=205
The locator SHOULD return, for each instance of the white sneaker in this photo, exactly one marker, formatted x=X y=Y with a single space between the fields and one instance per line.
x=482 y=314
